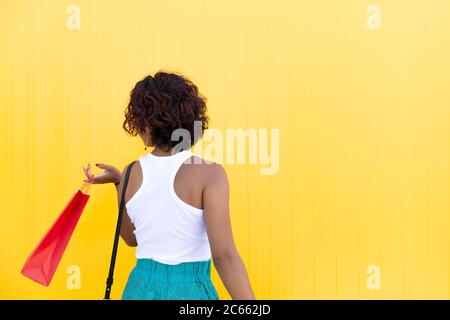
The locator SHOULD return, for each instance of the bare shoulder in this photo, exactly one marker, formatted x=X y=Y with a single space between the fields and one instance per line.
x=135 y=179
x=210 y=171
x=135 y=169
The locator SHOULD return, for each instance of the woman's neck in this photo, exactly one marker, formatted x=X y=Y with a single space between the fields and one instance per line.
x=162 y=152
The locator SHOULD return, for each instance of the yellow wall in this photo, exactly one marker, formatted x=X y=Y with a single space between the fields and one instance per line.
x=364 y=135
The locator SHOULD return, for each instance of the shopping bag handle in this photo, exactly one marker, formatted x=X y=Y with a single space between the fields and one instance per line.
x=110 y=280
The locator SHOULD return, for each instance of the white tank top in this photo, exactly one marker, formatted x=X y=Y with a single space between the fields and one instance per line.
x=167 y=229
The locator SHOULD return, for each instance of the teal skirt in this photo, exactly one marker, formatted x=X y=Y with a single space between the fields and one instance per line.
x=152 y=280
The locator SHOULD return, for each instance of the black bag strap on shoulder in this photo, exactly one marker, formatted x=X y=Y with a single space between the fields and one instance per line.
x=110 y=280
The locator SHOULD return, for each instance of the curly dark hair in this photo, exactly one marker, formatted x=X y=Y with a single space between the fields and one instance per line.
x=163 y=103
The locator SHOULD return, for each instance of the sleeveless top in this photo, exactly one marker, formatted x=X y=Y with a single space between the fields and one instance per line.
x=167 y=229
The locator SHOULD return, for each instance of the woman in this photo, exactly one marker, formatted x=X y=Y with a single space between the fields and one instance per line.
x=177 y=211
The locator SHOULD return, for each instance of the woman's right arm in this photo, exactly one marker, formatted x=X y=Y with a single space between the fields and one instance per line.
x=113 y=175
x=127 y=227
x=225 y=256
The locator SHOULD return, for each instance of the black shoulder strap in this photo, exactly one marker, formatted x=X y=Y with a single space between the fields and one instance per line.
x=110 y=280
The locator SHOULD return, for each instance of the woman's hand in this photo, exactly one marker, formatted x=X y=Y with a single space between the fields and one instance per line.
x=110 y=175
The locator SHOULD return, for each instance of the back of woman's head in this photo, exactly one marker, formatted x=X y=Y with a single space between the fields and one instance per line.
x=162 y=103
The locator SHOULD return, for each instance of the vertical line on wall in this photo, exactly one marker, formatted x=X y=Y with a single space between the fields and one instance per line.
x=448 y=146
x=290 y=244
x=8 y=104
x=289 y=101
x=333 y=190
x=313 y=217
x=203 y=50
x=182 y=18
x=448 y=292
x=378 y=168
x=139 y=37
x=427 y=175
x=270 y=296
x=95 y=107
x=356 y=214
x=401 y=133
x=247 y=180
x=402 y=205
x=30 y=128
x=64 y=103
x=225 y=16
x=160 y=32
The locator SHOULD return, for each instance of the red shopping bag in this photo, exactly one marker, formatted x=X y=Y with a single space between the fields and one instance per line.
x=43 y=261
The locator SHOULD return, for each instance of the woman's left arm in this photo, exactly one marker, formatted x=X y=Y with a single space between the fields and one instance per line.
x=225 y=256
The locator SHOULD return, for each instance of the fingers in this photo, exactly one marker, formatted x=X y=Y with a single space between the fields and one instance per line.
x=85 y=172
x=102 y=177
x=88 y=170
x=89 y=175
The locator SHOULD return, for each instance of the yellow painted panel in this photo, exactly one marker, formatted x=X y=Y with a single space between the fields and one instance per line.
x=363 y=116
